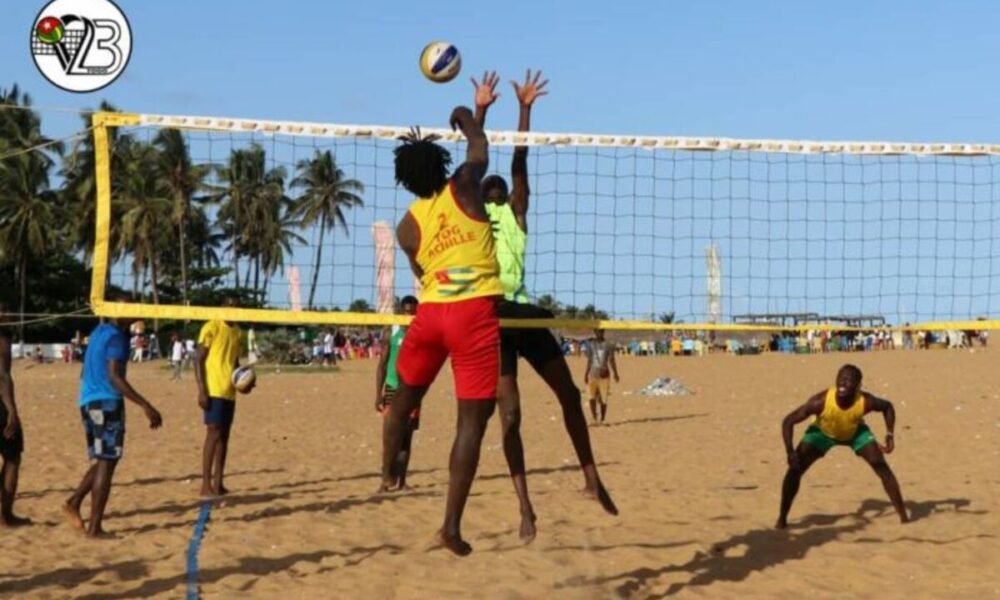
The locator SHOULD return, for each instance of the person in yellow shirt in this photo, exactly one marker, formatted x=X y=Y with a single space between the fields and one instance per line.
x=218 y=355
x=448 y=240
x=838 y=420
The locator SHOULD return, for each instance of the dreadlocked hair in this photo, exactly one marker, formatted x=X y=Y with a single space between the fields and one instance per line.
x=421 y=164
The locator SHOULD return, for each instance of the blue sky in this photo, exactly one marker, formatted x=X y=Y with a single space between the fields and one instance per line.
x=915 y=71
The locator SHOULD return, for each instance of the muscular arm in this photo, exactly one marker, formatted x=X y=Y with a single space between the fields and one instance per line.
x=812 y=406
x=875 y=404
x=116 y=374
x=469 y=176
x=380 y=370
x=408 y=236
x=519 y=174
x=201 y=355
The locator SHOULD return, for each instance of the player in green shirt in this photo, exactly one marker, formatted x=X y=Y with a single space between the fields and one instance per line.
x=386 y=384
x=508 y=214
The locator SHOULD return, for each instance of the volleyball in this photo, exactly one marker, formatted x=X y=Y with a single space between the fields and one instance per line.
x=440 y=62
x=243 y=379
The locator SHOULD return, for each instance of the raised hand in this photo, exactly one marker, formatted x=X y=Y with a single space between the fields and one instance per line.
x=531 y=89
x=486 y=92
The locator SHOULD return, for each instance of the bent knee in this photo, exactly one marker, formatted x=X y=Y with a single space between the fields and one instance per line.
x=510 y=418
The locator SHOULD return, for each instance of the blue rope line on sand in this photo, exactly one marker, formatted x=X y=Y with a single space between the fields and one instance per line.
x=193 y=546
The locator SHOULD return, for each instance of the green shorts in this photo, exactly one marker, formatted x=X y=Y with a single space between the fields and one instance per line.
x=822 y=442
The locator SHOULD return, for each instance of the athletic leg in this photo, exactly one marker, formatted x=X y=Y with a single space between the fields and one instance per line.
x=71 y=509
x=509 y=401
x=402 y=462
x=100 y=492
x=556 y=375
x=807 y=455
x=394 y=429
x=220 y=459
x=8 y=492
x=213 y=438
x=874 y=457
x=473 y=416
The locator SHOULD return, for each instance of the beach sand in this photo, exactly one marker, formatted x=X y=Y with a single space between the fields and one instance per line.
x=696 y=479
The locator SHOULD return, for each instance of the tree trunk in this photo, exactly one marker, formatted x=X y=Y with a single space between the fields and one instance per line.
x=184 y=267
x=135 y=281
x=256 y=277
x=236 y=259
x=23 y=269
x=246 y=278
x=156 y=291
x=316 y=265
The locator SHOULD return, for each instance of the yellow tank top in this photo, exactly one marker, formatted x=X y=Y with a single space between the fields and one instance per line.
x=456 y=251
x=838 y=423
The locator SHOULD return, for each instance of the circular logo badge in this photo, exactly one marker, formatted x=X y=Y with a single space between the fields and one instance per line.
x=81 y=45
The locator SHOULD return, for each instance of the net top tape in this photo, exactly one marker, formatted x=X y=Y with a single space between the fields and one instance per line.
x=514 y=138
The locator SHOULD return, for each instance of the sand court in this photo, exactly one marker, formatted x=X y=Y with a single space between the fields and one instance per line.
x=696 y=479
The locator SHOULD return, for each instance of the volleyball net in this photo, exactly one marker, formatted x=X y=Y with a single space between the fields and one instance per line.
x=625 y=232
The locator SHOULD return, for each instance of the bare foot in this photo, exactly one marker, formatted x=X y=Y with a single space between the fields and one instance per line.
x=603 y=498
x=528 y=530
x=454 y=543
x=73 y=517
x=14 y=521
x=101 y=535
x=781 y=524
x=387 y=486
x=223 y=490
x=904 y=519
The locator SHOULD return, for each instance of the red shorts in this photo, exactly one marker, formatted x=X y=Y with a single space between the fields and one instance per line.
x=467 y=330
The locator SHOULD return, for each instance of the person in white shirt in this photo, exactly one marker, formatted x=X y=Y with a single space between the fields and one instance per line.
x=188 y=351
x=176 y=357
x=328 y=357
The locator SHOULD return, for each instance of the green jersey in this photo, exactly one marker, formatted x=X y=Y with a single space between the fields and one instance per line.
x=395 y=341
x=511 y=243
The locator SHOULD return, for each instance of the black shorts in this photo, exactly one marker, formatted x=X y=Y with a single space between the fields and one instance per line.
x=11 y=448
x=220 y=411
x=537 y=346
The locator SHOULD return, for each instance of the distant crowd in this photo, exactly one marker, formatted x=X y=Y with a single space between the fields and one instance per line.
x=810 y=342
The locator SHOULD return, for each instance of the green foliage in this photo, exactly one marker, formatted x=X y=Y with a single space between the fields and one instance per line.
x=281 y=346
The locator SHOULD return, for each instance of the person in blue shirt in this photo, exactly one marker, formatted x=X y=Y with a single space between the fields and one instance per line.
x=102 y=389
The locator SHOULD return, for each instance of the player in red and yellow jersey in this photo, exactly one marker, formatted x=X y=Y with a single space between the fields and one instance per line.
x=838 y=420
x=448 y=239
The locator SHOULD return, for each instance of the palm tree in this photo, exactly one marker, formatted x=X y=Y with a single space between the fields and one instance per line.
x=247 y=191
x=275 y=240
x=147 y=206
x=181 y=179
x=327 y=193
x=80 y=187
x=29 y=210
